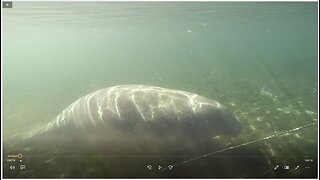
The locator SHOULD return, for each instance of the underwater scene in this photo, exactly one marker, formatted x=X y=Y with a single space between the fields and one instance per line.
x=160 y=89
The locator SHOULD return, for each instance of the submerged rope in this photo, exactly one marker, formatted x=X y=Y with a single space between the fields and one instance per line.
x=241 y=145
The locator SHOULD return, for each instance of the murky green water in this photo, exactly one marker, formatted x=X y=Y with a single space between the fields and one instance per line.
x=258 y=59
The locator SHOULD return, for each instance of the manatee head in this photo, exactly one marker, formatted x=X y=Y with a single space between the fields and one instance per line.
x=219 y=120
x=228 y=123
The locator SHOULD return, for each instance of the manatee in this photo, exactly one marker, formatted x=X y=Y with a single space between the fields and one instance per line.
x=122 y=121
x=139 y=117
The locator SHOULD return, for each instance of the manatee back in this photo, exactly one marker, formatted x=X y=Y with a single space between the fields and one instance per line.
x=138 y=108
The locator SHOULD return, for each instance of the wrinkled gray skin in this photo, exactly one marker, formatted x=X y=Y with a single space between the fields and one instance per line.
x=140 y=118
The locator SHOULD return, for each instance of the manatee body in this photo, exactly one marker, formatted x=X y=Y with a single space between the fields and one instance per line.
x=136 y=107
x=122 y=121
x=140 y=113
